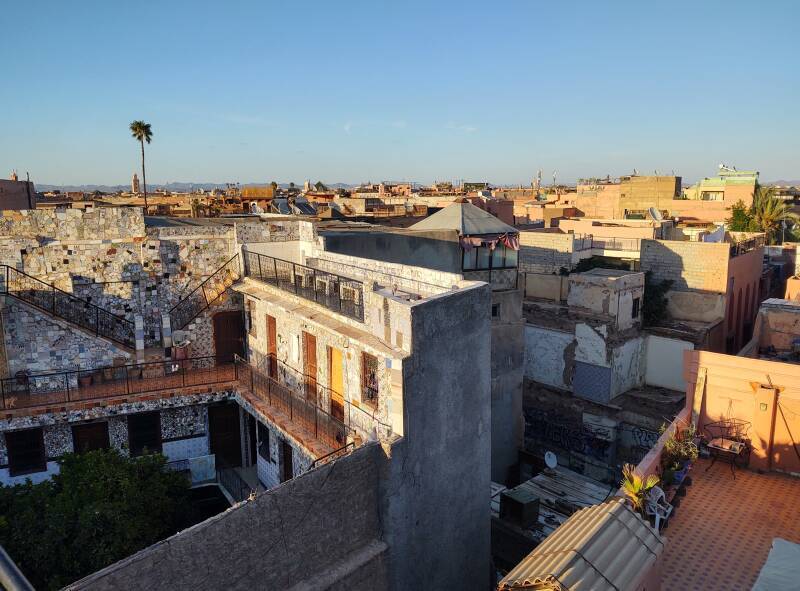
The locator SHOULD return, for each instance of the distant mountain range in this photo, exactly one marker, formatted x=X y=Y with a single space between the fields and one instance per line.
x=175 y=186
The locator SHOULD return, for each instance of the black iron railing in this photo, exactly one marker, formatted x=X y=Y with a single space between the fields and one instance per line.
x=231 y=481
x=47 y=297
x=336 y=453
x=25 y=391
x=739 y=248
x=340 y=294
x=623 y=244
x=205 y=294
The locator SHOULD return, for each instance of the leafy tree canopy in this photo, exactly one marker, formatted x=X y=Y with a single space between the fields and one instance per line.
x=100 y=508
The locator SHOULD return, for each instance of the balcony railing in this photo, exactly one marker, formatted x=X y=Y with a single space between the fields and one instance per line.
x=231 y=481
x=340 y=294
x=622 y=244
x=738 y=248
x=26 y=391
x=205 y=294
x=52 y=300
x=301 y=398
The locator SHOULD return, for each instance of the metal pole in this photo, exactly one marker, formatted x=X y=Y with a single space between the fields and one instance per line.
x=11 y=578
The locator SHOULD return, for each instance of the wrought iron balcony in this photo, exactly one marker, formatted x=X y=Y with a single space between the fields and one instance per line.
x=302 y=399
x=340 y=294
x=63 y=387
x=61 y=304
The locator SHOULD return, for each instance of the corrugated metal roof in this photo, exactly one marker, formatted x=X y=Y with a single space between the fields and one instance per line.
x=605 y=547
x=466 y=218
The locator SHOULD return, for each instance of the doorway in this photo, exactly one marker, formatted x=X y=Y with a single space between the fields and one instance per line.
x=272 y=347
x=287 y=461
x=310 y=366
x=225 y=434
x=228 y=335
x=336 y=383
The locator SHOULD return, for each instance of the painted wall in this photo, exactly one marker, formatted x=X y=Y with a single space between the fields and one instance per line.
x=664 y=362
x=548 y=356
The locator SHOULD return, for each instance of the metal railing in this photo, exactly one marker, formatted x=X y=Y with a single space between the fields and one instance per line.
x=29 y=390
x=329 y=457
x=340 y=294
x=205 y=294
x=623 y=244
x=59 y=303
x=231 y=481
x=745 y=246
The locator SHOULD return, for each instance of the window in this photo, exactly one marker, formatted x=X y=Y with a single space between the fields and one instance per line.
x=263 y=442
x=26 y=451
x=483 y=258
x=635 y=308
x=90 y=436
x=369 y=379
x=495 y=310
x=144 y=433
x=470 y=259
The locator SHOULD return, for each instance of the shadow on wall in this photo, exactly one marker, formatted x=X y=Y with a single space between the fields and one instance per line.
x=439 y=251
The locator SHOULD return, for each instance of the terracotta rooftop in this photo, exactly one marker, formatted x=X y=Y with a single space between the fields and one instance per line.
x=720 y=535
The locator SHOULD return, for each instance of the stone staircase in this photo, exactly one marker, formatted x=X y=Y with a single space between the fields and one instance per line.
x=205 y=294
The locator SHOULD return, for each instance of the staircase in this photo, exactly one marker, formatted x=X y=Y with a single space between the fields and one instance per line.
x=59 y=303
x=205 y=294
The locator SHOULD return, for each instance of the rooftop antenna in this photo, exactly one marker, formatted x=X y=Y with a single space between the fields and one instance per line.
x=554 y=177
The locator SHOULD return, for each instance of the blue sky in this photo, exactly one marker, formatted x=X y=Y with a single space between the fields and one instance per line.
x=353 y=91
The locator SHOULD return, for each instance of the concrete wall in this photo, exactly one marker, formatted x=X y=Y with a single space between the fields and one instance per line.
x=317 y=531
x=664 y=362
x=695 y=306
x=549 y=356
x=508 y=352
x=627 y=366
x=545 y=252
x=737 y=387
x=546 y=286
x=700 y=266
x=435 y=516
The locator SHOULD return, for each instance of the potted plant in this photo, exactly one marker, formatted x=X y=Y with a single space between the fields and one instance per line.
x=84 y=380
x=636 y=486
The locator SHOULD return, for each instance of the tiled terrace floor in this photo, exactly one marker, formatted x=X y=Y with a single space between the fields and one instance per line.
x=720 y=535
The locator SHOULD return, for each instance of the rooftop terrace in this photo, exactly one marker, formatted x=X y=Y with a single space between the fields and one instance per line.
x=721 y=534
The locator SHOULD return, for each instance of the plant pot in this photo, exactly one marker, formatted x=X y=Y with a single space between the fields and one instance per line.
x=84 y=381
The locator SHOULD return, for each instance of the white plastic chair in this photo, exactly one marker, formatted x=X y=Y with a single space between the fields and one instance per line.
x=657 y=506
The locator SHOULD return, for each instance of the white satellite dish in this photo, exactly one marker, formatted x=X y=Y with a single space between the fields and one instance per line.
x=655 y=214
x=550 y=460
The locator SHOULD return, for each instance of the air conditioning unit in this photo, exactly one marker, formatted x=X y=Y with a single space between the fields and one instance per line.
x=519 y=506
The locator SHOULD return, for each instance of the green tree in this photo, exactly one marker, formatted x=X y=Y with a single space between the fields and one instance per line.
x=142 y=133
x=654 y=306
x=769 y=213
x=100 y=508
x=741 y=219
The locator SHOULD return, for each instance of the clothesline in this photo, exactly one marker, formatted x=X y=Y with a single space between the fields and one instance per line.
x=508 y=240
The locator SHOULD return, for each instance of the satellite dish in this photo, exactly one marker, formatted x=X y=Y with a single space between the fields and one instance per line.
x=655 y=214
x=550 y=460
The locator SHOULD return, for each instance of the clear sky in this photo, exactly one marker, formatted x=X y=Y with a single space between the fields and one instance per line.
x=347 y=91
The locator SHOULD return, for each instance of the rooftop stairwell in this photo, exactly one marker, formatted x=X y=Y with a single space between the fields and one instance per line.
x=205 y=294
x=60 y=304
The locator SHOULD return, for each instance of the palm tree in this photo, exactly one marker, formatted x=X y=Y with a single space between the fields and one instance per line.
x=769 y=212
x=635 y=486
x=142 y=133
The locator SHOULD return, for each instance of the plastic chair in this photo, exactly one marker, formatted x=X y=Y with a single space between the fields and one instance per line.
x=657 y=506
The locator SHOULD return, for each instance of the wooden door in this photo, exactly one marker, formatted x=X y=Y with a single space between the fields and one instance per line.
x=287 y=461
x=90 y=436
x=272 y=347
x=336 y=382
x=228 y=335
x=225 y=434
x=310 y=366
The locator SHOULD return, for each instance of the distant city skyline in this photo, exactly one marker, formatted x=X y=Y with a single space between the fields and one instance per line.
x=350 y=92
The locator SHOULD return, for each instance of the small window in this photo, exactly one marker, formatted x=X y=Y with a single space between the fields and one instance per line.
x=470 y=259
x=369 y=379
x=484 y=257
x=263 y=442
x=635 y=308
x=498 y=257
x=495 y=310
x=144 y=433
x=26 y=451
x=511 y=258
x=90 y=437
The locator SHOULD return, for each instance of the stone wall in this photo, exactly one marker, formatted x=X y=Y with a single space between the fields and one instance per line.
x=545 y=252
x=37 y=342
x=318 y=530
x=699 y=266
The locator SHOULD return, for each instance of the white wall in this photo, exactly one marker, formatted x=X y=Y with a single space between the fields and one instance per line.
x=544 y=355
x=35 y=477
x=627 y=366
x=664 y=360
x=184 y=449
